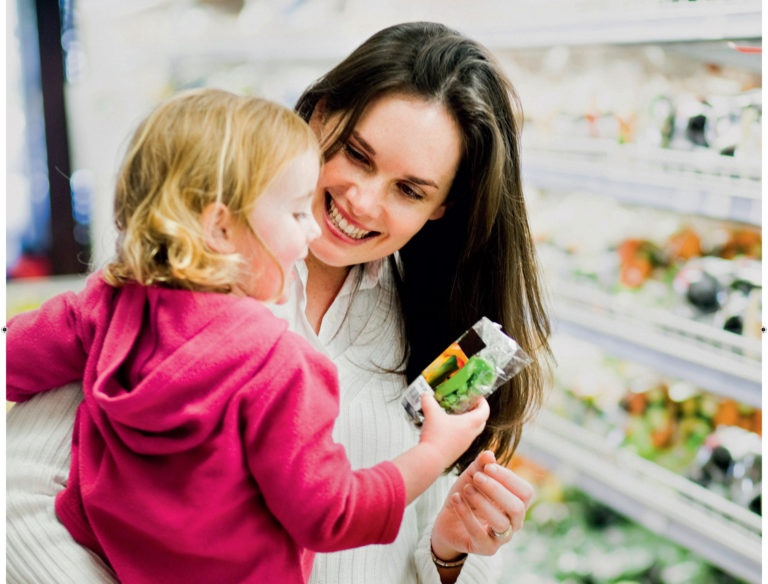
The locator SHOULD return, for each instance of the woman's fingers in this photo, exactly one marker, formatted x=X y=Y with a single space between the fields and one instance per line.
x=512 y=483
x=465 y=478
x=483 y=508
x=484 y=458
x=506 y=497
x=475 y=529
x=486 y=506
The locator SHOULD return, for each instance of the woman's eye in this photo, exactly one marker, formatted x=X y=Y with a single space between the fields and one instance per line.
x=411 y=193
x=355 y=154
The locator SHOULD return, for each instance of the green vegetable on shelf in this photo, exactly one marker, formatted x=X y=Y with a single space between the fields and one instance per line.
x=472 y=379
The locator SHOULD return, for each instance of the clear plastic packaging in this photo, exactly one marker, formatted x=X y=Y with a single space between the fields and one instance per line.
x=475 y=365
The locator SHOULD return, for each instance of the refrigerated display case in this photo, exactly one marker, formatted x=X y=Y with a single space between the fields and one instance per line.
x=615 y=193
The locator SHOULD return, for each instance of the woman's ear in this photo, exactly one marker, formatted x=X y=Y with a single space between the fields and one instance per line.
x=438 y=213
x=218 y=225
x=317 y=119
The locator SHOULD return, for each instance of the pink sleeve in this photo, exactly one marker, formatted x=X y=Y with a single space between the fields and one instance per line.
x=43 y=349
x=305 y=477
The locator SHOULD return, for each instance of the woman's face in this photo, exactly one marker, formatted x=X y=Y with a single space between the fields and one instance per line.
x=386 y=182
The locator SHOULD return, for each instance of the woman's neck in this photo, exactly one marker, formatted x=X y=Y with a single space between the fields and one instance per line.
x=323 y=285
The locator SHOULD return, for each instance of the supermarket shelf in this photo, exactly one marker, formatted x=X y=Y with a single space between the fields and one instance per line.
x=725 y=533
x=724 y=363
x=697 y=183
x=627 y=23
x=565 y=23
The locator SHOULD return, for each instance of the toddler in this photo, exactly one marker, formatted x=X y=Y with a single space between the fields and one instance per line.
x=202 y=451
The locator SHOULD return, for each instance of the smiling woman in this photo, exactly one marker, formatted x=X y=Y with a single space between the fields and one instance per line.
x=420 y=197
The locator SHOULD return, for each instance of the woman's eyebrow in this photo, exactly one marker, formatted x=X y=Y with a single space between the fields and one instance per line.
x=365 y=146
x=369 y=149
x=422 y=181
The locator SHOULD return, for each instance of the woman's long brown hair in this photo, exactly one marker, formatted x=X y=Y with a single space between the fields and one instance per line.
x=479 y=259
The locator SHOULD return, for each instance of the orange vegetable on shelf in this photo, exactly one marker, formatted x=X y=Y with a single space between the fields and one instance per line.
x=635 y=403
x=743 y=242
x=635 y=272
x=727 y=414
x=638 y=258
x=684 y=245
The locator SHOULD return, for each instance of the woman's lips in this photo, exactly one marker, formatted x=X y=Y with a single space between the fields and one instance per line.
x=343 y=227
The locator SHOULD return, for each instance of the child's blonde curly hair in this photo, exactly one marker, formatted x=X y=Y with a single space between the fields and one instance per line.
x=198 y=147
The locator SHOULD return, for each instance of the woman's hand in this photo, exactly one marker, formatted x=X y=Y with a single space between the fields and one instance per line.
x=485 y=506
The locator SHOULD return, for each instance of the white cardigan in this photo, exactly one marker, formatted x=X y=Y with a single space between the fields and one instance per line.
x=360 y=334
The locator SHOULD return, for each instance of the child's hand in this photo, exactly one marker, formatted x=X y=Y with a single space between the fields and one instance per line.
x=451 y=434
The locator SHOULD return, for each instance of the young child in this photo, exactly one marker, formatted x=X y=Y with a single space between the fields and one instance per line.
x=202 y=451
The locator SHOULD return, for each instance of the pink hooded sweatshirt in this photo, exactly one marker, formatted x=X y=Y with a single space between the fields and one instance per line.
x=202 y=451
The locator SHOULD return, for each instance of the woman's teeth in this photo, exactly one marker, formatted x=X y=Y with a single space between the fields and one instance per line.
x=341 y=223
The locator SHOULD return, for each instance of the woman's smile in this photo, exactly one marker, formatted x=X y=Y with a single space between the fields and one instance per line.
x=342 y=224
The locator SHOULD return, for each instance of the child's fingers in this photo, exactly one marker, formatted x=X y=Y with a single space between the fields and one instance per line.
x=429 y=404
x=477 y=415
x=481 y=411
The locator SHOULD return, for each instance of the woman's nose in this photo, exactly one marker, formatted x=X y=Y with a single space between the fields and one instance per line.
x=365 y=197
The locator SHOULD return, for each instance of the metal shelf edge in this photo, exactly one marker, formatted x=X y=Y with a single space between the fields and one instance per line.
x=716 y=202
x=743 y=389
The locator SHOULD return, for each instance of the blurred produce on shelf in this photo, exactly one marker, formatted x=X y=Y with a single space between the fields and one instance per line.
x=700 y=268
x=571 y=538
x=730 y=464
x=710 y=439
x=654 y=96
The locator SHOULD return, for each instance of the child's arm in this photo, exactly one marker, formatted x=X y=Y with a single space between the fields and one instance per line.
x=444 y=438
x=305 y=477
x=43 y=349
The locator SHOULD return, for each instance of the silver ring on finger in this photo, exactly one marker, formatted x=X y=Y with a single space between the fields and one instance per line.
x=501 y=535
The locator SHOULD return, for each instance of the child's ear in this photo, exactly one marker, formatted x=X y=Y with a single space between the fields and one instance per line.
x=218 y=223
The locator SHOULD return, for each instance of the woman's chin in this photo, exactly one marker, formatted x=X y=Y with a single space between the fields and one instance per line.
x=329 y=254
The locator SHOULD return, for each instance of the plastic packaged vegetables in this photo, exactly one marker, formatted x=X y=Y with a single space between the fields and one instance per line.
x=475 y=365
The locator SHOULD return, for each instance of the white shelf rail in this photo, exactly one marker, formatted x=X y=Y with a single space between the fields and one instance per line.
x=727 y=364
x=696 y=183
x=588 y=23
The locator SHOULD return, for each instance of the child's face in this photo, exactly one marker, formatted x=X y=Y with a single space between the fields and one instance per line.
x=282 y=216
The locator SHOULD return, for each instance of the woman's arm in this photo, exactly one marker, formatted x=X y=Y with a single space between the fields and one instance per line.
x=38 y=446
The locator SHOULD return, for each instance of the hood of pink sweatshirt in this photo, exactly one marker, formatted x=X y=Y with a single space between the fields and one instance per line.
x=163 y=373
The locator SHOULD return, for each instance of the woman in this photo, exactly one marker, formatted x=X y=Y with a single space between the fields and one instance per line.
x=424 y=230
